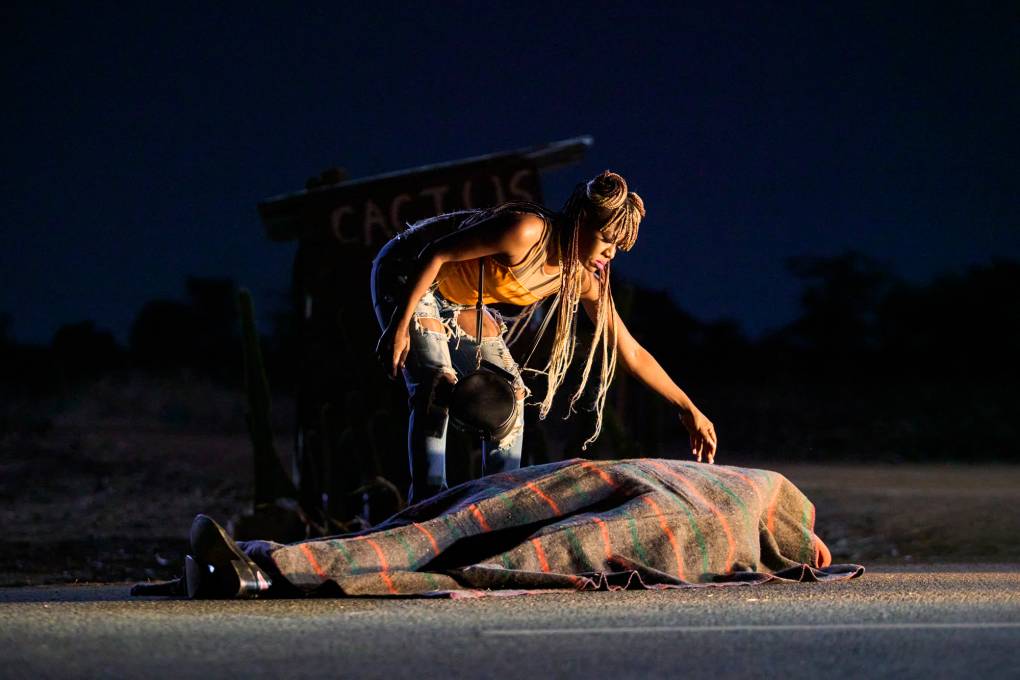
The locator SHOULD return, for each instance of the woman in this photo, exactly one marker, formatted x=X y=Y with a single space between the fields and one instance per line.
x=424 y=288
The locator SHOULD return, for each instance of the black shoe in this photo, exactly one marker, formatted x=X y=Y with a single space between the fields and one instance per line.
x=217 y=568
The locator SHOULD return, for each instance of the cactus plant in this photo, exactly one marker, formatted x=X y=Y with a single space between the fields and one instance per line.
x=271 y=481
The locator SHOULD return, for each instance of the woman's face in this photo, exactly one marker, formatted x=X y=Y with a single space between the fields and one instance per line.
x=594 y=249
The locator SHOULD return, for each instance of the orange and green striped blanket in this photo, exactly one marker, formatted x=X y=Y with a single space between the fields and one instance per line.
x=575 y=524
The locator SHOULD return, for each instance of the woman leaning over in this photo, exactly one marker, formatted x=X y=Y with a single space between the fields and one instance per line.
x=425 y=288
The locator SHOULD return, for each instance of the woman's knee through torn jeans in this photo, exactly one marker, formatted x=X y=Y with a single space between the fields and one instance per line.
x=452 y=351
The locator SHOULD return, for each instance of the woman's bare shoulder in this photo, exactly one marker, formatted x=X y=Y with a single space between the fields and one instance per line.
x=528 y=227
x=522 y=230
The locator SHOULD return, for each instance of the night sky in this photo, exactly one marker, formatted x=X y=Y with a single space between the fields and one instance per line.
x=138 y=140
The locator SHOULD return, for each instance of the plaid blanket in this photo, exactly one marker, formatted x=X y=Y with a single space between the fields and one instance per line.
x=575 y=524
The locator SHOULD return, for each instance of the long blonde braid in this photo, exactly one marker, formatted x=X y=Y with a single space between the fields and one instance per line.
x=605 y=203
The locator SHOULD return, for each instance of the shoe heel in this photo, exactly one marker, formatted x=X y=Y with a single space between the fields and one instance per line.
x=197 y=579
x=252 y=581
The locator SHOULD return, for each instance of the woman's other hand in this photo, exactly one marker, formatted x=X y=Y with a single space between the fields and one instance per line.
x=702 y=432
x=392 y=348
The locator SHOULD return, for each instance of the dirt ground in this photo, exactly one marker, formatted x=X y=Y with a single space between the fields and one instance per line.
x=915 y=512
x=104 y=493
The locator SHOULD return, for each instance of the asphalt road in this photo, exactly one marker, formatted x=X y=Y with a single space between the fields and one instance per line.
x=919 y=621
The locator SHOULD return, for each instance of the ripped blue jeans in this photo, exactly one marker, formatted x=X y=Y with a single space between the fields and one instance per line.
x=452 y=351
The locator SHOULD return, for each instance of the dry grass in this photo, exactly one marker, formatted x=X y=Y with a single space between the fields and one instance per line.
x=107 y=490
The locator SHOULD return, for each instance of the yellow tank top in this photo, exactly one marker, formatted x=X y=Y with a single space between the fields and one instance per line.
x=521 y=284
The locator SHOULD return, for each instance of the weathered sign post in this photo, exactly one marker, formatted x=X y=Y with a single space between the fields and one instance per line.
x=351 y=422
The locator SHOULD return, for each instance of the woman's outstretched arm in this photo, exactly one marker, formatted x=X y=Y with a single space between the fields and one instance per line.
x=641 y=364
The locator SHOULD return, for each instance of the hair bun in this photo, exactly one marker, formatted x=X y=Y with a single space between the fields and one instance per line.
x=607 y=191
x=637 y=203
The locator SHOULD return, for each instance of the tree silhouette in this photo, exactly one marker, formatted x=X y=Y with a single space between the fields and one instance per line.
x=162 y=335
x=966 y=325
x=840 y=304
x=5 y=331
x=81 y=351
x=201 y=334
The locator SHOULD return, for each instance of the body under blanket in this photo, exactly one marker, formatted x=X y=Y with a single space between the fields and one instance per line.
x=576 y=524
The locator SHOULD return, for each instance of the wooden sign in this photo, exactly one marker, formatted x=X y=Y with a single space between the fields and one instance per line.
x=369 y=211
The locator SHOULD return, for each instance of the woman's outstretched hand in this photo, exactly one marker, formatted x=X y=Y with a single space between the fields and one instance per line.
x=702 y=432
x=392 y=348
